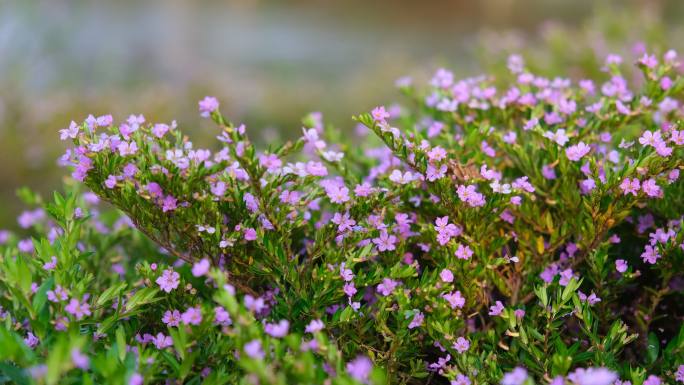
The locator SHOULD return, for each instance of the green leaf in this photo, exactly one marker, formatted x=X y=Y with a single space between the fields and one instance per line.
x=653 y=348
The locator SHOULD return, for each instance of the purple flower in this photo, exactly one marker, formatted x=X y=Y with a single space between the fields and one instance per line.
x=593 y=376
x=349 y=289
x=162 y=341
x=208 y=105
x=69 y=133
x=461 y=379
x=250 y=234
x=650 y=254
x=169 y=203
x=171 y=318
x=679 y=375
x=576 y=152
x=653 y=380
x=455 y=299
x=169 y=280
x=385 y=242
x=387 y=286
x=360 y=368
x=79 y=359
x=515 y=377
x=314 y=326
x=221 y=316
x=77 y=309
x=50 y=265
x=652 y=189
x=379 y=114
x=136 y=379
x=630 y=186
x=192 y=316
x=446 y=275
x=31 y=340
x=201 y=268
x=461 y=345
x=58 y=295
x=463 y=252
x=621 y=265
x=253 y=349
x=343 y=222
x=496 y=309
x=277 y=330
x=417 y=320
x=337 y=194
x=110 y=182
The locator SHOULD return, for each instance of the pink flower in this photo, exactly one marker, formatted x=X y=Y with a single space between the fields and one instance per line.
x=397 y=177
x=630 y=186
x=649 y=61
x=385 y=242
x=162 y=341
x=436 y=154
x=169 y=280
x=576 y=152
x=470 y=195
x=379 y=114
x=455 y=299
x=250 y=234
x=192 y=316
x=652 y=189
x=201 y=268
x=172 y=318
x=337 y=194
x=463 y=252
x=621 y=265
x=126 y=148
x=446 y=275
x=208 y=105
x=363 y=190
x=651 y=138
x=650 y=255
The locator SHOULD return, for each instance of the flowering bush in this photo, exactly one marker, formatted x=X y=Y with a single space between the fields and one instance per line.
x=515 y=230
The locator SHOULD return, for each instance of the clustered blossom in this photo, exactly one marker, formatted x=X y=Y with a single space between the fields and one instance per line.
x=471 y=224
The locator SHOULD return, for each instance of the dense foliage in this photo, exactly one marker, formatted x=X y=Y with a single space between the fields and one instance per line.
x=511 y=230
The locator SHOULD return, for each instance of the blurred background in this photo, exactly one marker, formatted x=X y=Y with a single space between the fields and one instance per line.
x=272 y=62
